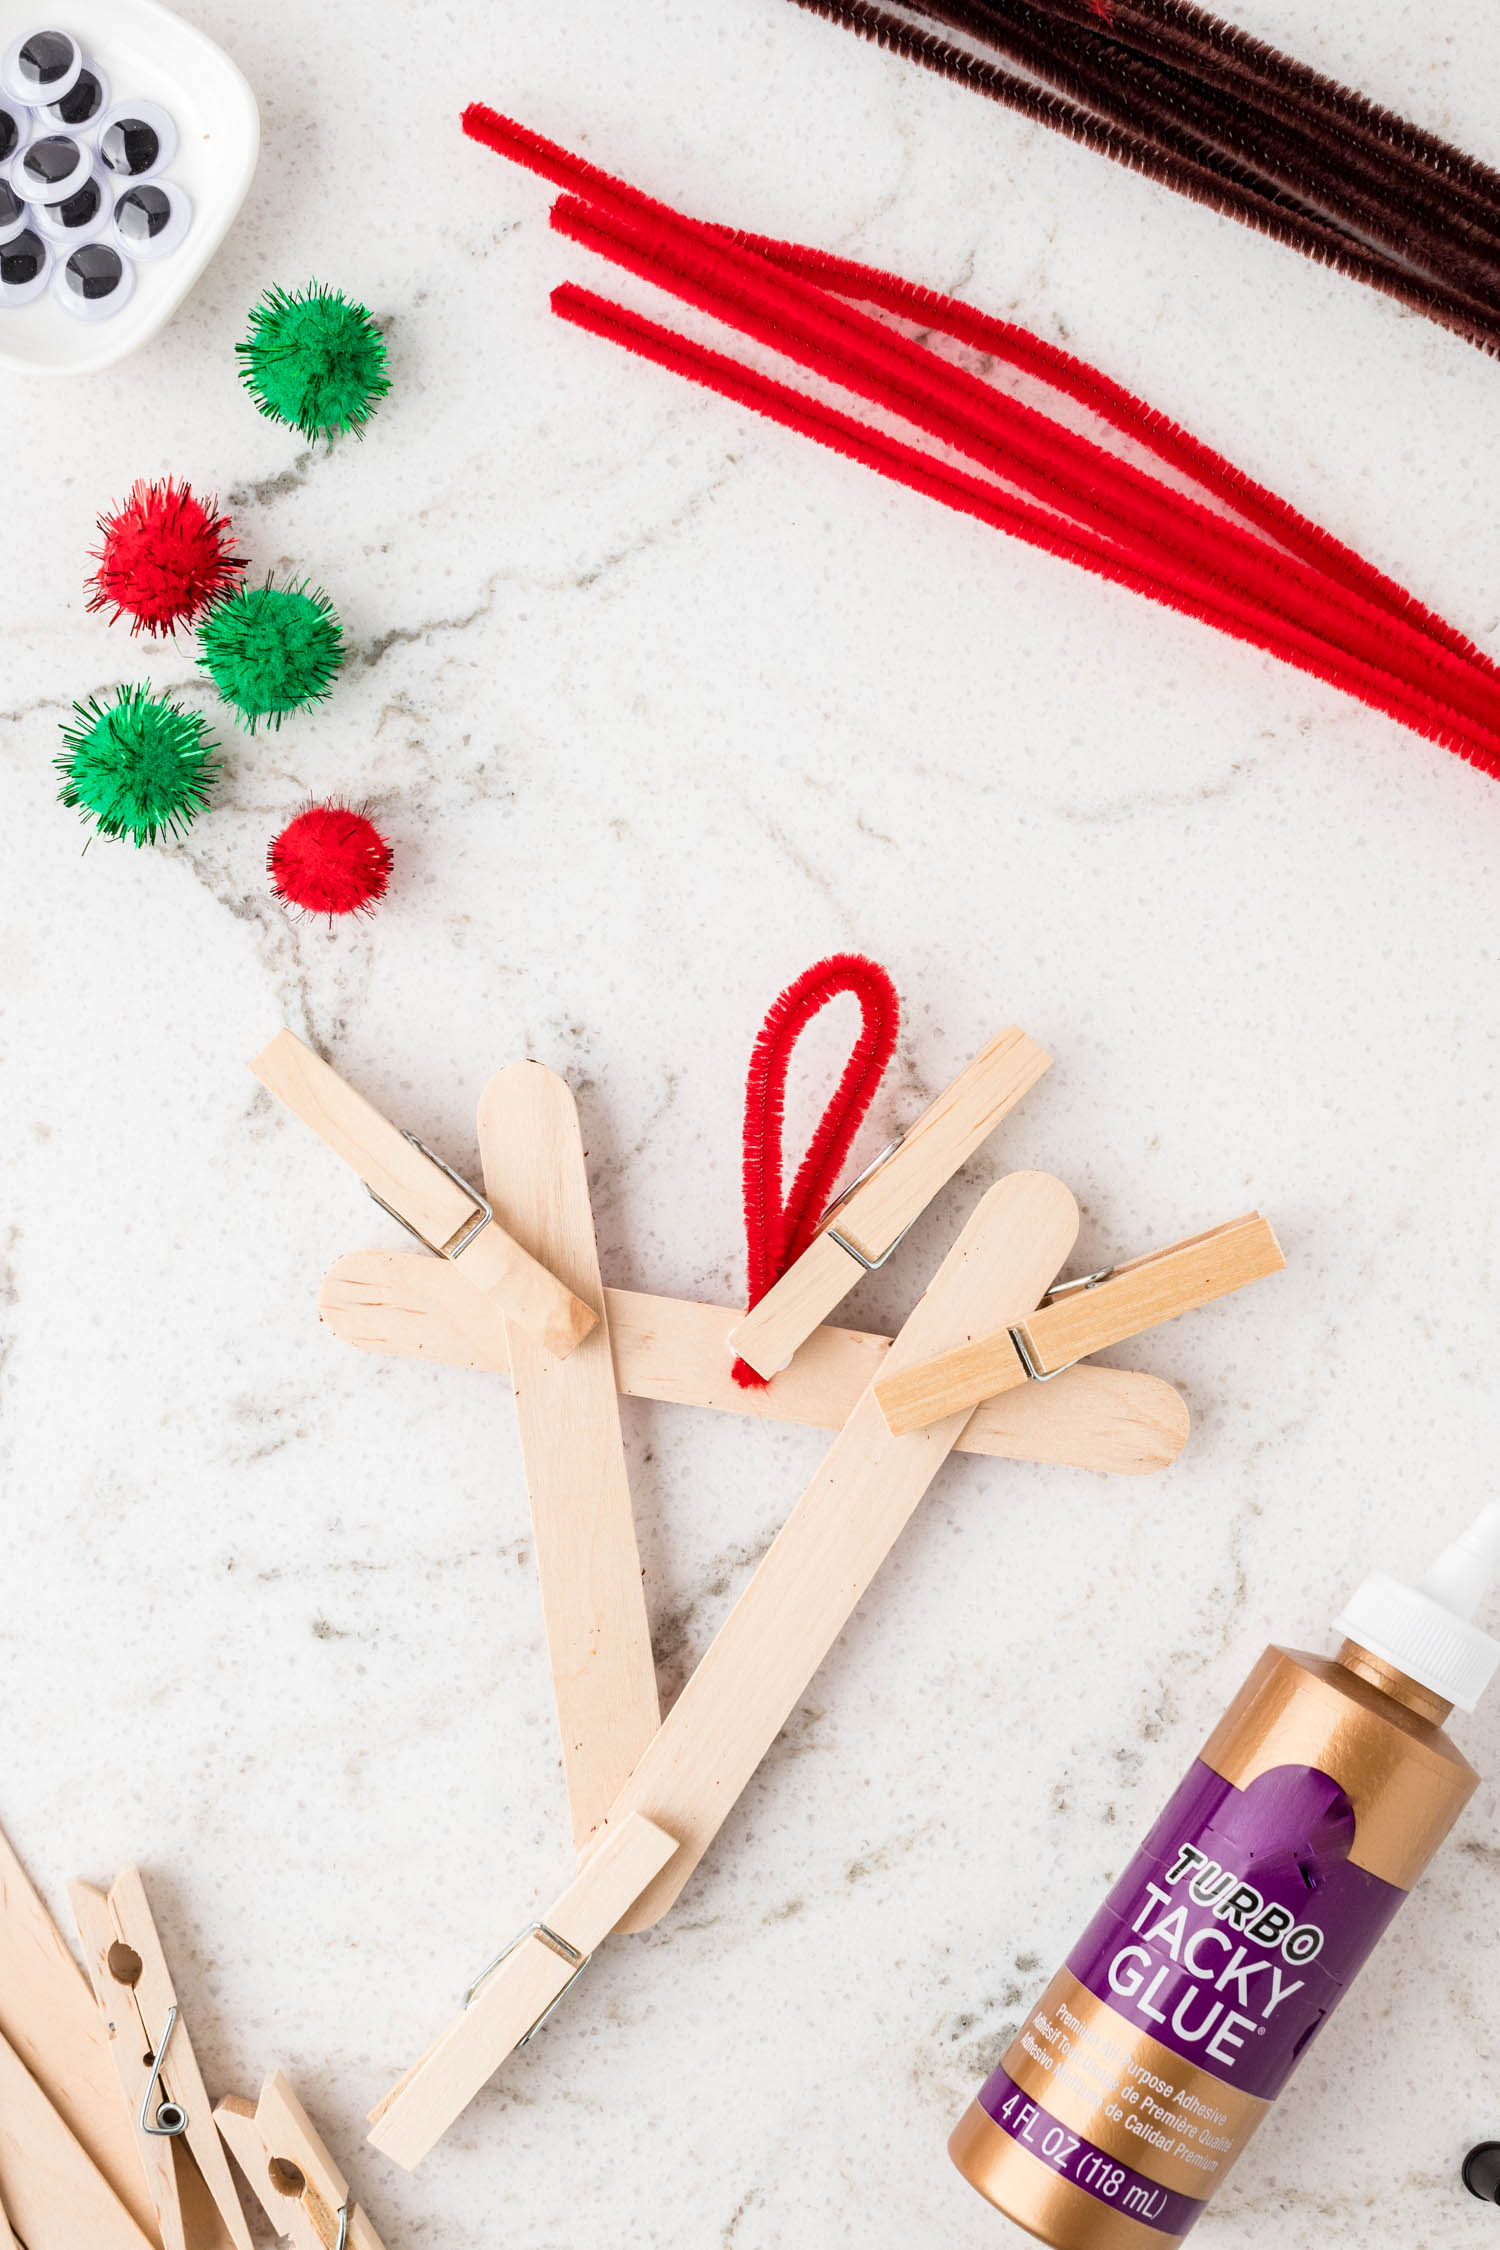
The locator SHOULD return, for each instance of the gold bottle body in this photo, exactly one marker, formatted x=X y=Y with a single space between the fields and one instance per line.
x=1076 y=2106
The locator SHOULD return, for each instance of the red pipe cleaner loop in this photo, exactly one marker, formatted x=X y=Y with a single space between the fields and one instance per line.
x=778 y=1227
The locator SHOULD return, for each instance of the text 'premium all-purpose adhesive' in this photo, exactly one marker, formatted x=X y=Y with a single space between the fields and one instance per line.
x=1230 y=1938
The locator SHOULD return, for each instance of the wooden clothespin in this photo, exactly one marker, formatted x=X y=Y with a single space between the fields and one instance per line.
x=514 y=1996
x=187 y=2174
x=295 y=2180
x=1110 y=1419
x=1080 y=1317
x=865 y=1225
x=49 y=2019
x=55 y=2197
x=588 y=1564
x=428 y=1198
x=742 y=1693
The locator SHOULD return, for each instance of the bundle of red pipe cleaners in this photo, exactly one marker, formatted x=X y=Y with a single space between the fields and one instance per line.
x=1237 y=556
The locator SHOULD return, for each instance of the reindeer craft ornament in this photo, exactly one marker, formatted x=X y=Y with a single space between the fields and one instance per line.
x=648 y=1794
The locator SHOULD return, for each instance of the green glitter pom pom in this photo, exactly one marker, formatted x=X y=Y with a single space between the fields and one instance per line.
x=140 y=767
x=314 y=360
x=271 y=649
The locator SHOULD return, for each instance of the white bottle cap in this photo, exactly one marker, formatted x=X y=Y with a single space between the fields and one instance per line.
x=1427 y=1630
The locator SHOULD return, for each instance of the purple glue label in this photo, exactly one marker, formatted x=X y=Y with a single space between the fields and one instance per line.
x=1235 y=1929
x=1092 y=2169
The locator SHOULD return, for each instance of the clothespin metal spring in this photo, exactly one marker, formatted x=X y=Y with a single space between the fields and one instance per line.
x=554 y=1944
x=457 y=1243
x=861 y=1257
x=171 y=2119
x=1035 y=1374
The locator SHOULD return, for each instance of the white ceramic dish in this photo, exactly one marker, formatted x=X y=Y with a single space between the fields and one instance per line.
x=149 y=54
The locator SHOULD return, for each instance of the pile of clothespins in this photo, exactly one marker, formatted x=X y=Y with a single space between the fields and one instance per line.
x=994 y=1359
x=108 y=2138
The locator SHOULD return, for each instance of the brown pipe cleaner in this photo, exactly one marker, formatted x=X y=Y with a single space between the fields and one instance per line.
x=1199 y=106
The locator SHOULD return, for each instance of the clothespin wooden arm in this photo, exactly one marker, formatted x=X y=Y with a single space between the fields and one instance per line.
x=519 y=1989
x=869 y=1219
x=1113 y=1420
x=295 y=2180
x=1081 y=1317
x=429 y=1199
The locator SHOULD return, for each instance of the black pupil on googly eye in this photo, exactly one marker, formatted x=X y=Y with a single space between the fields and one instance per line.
x=143 y=213
x=81 y=208
x=46 y=57
x=81 y=102
x=11 y=205
x=94 y=271
x=21 y=260
x=10 y=133
x=47 y=162
x=130 y=146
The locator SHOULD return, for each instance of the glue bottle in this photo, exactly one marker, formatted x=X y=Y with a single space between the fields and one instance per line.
x=1224 y=1947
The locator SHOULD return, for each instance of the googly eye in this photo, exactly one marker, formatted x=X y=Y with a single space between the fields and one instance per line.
x=25 y=267
x=15 y=125
x=151 y=218
x=136 y=139
x=87 y=212
x=94 y=281
x=51 y=168
x=41 y=66
x=85 y=101
x=12 y=212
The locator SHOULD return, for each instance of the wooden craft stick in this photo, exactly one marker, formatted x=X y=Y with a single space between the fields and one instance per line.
x=48 y=2015
x=55 y=2197
x=817 y=1568
x=568 y=1412
x=1077 y=1320
x=668 y=1348
x=864 y=1227
x=744 y=1690
x=154 y=2061
x=413 y=1185
x=294 y=2179
x=512 y=1997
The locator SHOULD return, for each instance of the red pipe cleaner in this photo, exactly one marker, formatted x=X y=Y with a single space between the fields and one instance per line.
x=1270 y=578
x=778 y=1227
x=1110 y=496
x=1100 y=394
x=921 y=472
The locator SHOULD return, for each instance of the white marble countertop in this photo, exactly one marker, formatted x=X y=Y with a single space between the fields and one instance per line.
x=657 y=704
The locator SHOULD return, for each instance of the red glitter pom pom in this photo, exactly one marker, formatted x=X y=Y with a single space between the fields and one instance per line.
x=330 y=860
x=165 y=557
